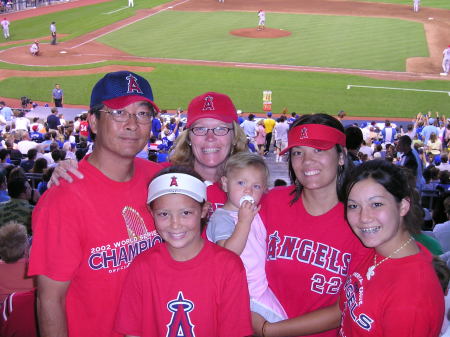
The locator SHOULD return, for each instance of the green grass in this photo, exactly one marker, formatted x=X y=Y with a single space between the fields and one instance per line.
x=316 y=40
x=77 y=21
x=175 y=85
x=445 y=4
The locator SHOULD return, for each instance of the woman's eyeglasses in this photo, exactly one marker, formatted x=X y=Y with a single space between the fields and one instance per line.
x=203 y=131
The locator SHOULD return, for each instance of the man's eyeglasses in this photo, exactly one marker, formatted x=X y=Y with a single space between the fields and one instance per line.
x=121 y=116
x=218 y=131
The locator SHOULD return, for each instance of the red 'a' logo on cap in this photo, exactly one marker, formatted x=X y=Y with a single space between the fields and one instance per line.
x=303 y=133
x=173 y=182
x=133 y=85
x=209 y=105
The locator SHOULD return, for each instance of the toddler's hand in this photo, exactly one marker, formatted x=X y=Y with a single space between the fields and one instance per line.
x=247 y=211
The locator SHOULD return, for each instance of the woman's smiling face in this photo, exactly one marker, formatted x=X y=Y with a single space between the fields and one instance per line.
x=210 y=151
x=375 y=215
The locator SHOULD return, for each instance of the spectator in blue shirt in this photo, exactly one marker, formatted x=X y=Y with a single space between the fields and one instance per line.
x=53 y=120
x=388 y=133
x=428 y=130
x=6 y=112
x=156 y=125
x=3 y=192
x=35 y=135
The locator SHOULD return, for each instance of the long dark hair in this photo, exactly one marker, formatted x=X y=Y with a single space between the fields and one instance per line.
x=342 y=170
x=397 y=181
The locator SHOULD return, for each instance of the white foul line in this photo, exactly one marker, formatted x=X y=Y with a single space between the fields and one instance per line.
x=390 y=88
x=125 y=25
x=117 y=10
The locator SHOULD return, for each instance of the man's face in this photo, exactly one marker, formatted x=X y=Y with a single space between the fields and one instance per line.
x=401 y=147
x=121 y=139
x=57 y=86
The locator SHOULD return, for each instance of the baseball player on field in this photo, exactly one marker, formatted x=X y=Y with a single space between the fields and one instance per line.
x=5 y=25
x=262 y=19
x=446 y=61
x=416 y=5
x=34 y=49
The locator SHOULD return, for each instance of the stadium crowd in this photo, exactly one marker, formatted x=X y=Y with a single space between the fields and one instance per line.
x=105 y=159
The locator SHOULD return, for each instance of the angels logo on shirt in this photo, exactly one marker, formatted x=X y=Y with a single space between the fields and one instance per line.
x=180 y=323
x=354 y=293
x=330 y=263
x=133 y=85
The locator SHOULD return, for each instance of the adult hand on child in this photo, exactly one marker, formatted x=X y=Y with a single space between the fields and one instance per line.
x=62 y=172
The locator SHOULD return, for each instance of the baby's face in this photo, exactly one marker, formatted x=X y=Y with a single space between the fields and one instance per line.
x=250 y=181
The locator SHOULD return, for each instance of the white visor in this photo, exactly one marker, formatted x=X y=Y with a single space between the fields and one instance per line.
x=178 y=183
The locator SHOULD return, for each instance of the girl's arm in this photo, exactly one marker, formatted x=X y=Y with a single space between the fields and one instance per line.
x=311 y=323
x=236 y=242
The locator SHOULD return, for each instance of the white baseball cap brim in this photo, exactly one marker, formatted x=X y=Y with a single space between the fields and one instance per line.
x=177 y=183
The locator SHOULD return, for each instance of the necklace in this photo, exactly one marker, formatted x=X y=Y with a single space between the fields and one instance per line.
x=371 y=270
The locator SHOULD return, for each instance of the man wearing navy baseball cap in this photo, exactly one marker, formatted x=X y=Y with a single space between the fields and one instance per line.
x=86 y=233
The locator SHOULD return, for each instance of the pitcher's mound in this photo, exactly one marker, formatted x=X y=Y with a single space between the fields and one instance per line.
x=266 y=33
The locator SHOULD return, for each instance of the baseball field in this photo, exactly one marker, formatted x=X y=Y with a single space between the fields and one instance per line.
x=370 y=59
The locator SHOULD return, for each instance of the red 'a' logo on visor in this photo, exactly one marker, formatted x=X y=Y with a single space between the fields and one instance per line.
x=303 y=133
x=174 y=182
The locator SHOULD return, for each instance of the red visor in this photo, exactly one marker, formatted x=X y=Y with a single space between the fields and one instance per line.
x=318 y=136
x=123 y=101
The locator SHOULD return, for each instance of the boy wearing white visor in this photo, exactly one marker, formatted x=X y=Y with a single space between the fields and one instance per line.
x=186 y=286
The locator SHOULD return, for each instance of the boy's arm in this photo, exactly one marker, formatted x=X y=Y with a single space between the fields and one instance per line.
x=236 y=242
x=51 y=307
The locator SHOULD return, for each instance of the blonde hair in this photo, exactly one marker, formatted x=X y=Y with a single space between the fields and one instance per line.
x=181 y=153
x=243 y=160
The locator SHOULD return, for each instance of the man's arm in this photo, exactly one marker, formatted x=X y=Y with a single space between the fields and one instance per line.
x=51 y=307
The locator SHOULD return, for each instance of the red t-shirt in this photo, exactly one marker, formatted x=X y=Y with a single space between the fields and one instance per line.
x=216 y=196
x=18 y=315
x=88 y=232
x=14 y=278
x=307 y=256
x=84 y=129
x=403 y=299
x=206 y=296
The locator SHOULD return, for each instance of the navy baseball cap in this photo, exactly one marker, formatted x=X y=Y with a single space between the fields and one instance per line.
x=118 y=89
